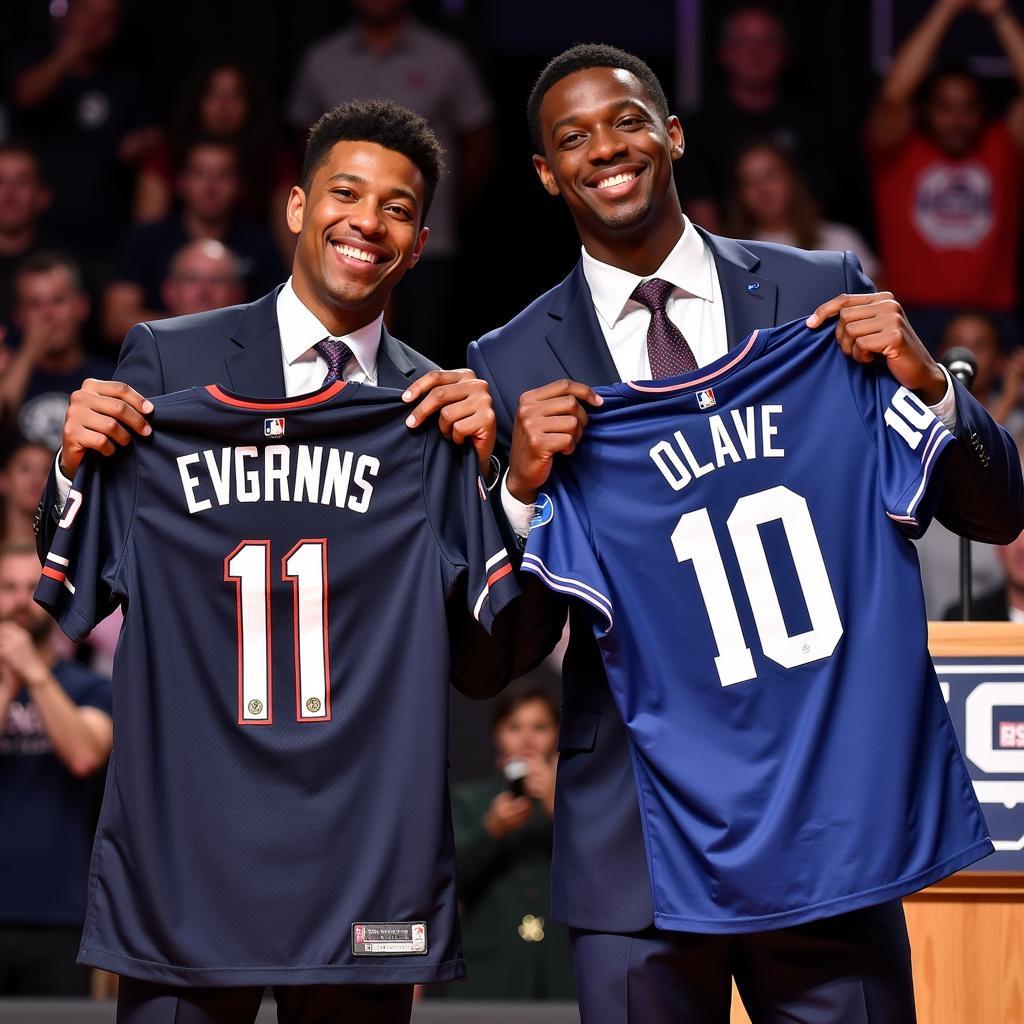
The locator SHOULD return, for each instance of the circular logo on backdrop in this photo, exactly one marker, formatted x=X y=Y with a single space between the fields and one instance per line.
x=954 y=205
x=42 y=418
x=93 y=109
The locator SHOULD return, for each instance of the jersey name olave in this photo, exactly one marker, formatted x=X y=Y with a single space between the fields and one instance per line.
x=312 y=473
x=742 y=434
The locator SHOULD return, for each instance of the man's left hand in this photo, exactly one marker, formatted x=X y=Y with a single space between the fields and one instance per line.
x=875 y=325
x=464 y=411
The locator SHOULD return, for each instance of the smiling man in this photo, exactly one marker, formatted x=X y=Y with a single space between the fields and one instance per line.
x=655 y=296
x=369 y=174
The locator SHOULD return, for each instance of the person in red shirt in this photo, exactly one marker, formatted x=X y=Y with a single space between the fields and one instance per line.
x=947 y=184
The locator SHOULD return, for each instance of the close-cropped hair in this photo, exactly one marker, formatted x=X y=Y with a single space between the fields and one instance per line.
x=388 y=125
x=582 y=57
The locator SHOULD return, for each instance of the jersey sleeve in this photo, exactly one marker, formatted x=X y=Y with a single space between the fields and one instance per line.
x=78 y=585
x=910 y=441
x=560 y=550
x=459 y=508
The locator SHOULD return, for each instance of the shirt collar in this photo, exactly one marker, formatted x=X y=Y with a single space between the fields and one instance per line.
x=301 y=330
x=688 y=266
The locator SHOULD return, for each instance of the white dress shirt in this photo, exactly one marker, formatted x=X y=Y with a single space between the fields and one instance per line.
x=304 y=367
x=695 y=307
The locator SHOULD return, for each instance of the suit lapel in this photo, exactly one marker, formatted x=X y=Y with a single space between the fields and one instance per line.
x=255 y=368
x=394 y=368
x=750 y=300
x=575 y=336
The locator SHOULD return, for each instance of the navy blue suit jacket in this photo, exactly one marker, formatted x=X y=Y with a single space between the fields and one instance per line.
x=599 y=870
x=238 y=346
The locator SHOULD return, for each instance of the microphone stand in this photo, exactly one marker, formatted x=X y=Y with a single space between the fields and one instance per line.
x=961 y=364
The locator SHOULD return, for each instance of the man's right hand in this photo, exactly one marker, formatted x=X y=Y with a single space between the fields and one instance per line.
x=549 y=422
x=100 y=415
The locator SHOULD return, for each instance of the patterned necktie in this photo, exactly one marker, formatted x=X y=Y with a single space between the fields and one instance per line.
x=335 y=354
x=667 y=349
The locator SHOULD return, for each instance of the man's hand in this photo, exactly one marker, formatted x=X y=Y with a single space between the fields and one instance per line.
x=462 y=402
x=549 y=422
x=506 y=814
x=875 y=325
x=100 y=415
x=20 y=656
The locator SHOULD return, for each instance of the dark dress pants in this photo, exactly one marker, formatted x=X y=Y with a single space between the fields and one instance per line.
x=144 y=1002
x=850 y=969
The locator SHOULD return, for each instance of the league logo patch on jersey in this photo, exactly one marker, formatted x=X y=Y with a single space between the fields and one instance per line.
x=274 y=426
x=706 y=399
x=543 y=512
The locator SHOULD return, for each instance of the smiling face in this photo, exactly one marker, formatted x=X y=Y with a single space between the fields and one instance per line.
x=609 y=154
x=529 y=729
x=359 y=232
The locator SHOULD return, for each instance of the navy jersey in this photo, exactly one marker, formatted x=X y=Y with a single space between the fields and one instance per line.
x=276 y=808
x=742 y=534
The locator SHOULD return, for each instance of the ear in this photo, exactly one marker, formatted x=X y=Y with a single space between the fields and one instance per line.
x=676 y=140
x=417 y=249
x=295 y=209
x=547 y=178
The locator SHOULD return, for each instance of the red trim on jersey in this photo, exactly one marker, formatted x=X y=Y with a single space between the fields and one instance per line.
x=237 y=580
x=53 y=574
x=286 y=576
x=242 y=403
x=702 y=380
x=497 y=574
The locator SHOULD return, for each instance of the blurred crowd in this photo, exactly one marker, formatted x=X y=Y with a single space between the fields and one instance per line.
x=112 y=213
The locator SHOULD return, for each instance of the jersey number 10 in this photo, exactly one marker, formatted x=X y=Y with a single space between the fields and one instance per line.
x=305 y=567
x=694 y=540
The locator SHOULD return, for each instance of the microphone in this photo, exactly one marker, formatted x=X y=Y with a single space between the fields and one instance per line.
x=515 y=775
x=961 y=364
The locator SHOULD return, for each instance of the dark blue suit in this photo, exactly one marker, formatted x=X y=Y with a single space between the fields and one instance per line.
x=599 y=871
x=239 y=346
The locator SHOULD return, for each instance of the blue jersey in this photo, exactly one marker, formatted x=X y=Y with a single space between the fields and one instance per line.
x=742 y=534
x=276 y=809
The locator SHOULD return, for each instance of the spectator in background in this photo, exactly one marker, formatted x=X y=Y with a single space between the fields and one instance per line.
x=51 y=308
x=1005 y=602
x=514 y=950
x=224 y=101
x=82 y=109
x=211 y=189
x=947 y=184
x=753 y=54
x=55 y=732
x=389 y=54
x=24 y=198
x=997 y=383
x=204 y=275
x=23 y=473
x=771 y=202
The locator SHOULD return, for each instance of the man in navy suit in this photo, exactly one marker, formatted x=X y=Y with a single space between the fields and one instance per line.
x=368 y=176
x=606 y=144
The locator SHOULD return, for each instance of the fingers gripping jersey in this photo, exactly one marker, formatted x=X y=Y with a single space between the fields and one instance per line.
x=741 y=534
x=278 y=785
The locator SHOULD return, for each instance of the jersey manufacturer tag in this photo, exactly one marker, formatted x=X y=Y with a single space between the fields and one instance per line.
x=389 y=938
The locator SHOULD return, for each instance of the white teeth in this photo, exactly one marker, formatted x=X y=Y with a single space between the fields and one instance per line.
x=618 y=179
x=358 y=254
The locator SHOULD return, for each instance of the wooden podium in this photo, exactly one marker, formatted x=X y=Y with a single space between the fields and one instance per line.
x=967 y=931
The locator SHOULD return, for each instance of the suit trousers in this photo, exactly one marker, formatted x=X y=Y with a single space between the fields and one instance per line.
x=145 y=1002
x=850 y=969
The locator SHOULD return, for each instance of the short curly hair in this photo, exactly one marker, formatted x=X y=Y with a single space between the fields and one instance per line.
x=385 y=123
x=580 y=58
